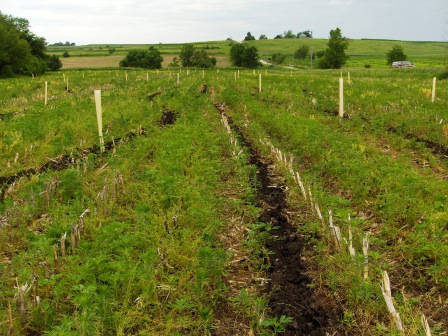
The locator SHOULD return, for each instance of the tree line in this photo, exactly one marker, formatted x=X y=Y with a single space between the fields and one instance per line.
x=287 y=34
x=24 y=53
x=21 y=51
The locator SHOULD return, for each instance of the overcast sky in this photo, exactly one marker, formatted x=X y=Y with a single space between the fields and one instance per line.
x=178 y=21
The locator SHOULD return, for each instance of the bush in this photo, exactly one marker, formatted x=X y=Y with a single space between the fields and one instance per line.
x=147 y=59
x=244 y=56
x=191 y=57
x=302 y=52
x=278 y=58
x=54 y=63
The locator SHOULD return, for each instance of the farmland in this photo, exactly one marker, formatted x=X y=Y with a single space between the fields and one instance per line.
x=219 y=208
x=361 y=52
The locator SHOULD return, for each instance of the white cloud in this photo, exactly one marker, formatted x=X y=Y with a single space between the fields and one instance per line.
x=135 y=21
x=341 y=2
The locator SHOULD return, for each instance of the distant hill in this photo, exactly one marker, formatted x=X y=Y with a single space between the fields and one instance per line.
x=362 y=52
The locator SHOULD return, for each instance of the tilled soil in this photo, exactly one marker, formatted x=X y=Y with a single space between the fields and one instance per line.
x=291 y=290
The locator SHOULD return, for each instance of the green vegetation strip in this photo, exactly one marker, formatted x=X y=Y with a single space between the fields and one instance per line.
x=148 y=258
x=401 y=207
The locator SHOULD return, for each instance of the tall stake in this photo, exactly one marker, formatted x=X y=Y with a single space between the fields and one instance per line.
x=259 y=83
x=365 y=252
x=434 y=83
x=341 y=97
x=99 y=117
x=46 y=93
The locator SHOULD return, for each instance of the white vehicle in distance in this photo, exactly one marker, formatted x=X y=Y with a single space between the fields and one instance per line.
x=402 y=64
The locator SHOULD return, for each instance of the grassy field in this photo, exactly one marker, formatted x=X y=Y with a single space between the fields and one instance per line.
x=361 y=52
x=172 y=229
x=164 y=232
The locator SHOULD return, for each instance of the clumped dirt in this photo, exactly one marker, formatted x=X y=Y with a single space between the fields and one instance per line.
x=336 y=113
x=152 y=96
x=291 y=292
x=169 y=117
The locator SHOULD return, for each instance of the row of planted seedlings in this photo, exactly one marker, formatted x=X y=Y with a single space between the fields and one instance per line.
x=401 y=209
x=127 y=242
x=396 y=112
x=32 y=131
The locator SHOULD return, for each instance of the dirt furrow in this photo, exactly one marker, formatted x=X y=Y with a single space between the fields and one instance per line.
x=291 y=291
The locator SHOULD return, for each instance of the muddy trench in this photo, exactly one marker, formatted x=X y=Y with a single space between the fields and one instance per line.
x=290 y=287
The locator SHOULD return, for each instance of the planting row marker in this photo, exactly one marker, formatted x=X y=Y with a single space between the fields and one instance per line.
x=434 y=83
x=46 y=93
x=341 y=97
x=387 y=294
x=259 y=83
x=425 y=325
x=99 y=116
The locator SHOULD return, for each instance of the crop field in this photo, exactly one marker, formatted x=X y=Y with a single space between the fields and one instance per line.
x=224 y=202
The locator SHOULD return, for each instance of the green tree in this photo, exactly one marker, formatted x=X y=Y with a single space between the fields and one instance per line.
x=289 y=34
x=186 y=54
x=191 y=57
x=147 y=59
x=302 y=52
x=307 y=33
x=335 y=56
x=200 y=59
x=263 y=37
x=66 y=54
x=245 y=56
x=21 y=51
x=396 y=54
x=236 y=54
x=15 y=53
x=249 y=37
x=54 y=63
